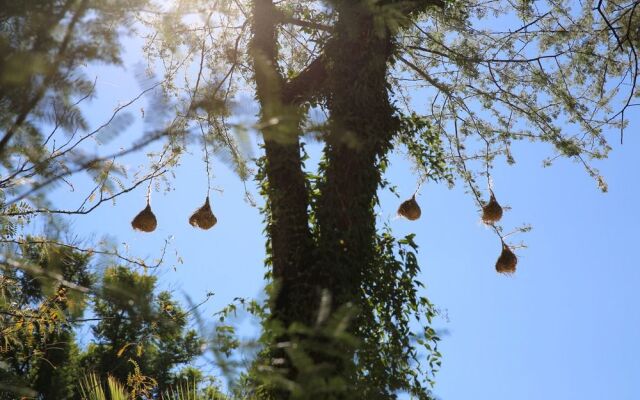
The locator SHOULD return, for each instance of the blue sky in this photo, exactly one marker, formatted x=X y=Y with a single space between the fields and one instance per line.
x=565 y=326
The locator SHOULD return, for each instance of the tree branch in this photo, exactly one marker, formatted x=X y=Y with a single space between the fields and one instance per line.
x=287 y=19
x=308 y=84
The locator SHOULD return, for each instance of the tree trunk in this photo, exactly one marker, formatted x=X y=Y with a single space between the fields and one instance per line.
x=362 y=127
x=286 y=189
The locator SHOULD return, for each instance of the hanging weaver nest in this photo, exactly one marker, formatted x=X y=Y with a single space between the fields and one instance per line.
x=145 y=221
x=491 y=211
x=203 y=217
x=507 y=261
x=410 y=209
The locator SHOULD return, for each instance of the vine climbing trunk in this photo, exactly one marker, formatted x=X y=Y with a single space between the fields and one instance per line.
x=351 y=77
x=362 y=127
x=286 y=190
x=287 y=197
x=361 y=130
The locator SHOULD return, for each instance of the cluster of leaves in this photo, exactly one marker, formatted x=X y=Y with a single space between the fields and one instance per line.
x=424 y=146
x=41 y=82
x=45 y=282
x=37 y=313
x=396 y=321
x=94 y=388
x=140 y=336
x=138 y=324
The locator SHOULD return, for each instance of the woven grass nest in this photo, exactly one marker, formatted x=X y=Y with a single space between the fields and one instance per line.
x=145 y=221
x=491 y=211
x=203 y=217
x=410 y=209
x=507 y=261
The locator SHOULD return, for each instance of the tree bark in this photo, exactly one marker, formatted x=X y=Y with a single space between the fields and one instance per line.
x=352 y=77
x=287 y=192
x=362 y=127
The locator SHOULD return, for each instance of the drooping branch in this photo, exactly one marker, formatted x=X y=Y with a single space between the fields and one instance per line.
x=91 y=164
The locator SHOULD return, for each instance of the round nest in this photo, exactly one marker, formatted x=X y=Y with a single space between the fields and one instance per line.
x=492 y=211
x=410 y=209
x=507 y=261
x=203 y=217
x=145 y=221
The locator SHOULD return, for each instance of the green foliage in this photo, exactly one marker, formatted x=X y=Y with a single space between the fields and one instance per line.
x=137 y=324
x=190 y=390
x=38 y=304
x=140 y=338
x=92 y=388
x=313 y=351
x=45 y=42
x=399 y=345
x=425 y=147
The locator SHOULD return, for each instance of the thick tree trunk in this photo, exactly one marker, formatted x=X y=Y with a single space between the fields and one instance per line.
x=353 y=72
x=286 y=187
x=362 y=127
